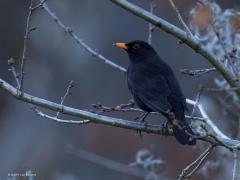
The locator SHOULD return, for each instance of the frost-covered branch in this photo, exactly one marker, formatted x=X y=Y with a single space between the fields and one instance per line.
x=217 y=137
x=181 y=35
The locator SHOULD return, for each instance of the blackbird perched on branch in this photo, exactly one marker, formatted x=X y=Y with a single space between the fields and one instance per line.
x=155 y=88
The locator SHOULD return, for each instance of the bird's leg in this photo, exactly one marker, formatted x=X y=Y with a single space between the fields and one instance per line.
x=172 y=120
x=142 y=117
x=166 y=125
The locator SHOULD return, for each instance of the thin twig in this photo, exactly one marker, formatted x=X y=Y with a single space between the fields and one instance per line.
x=79 y=41
x=196 y=118
x=197 y=72
x=68 y=92
x=38 y=5
x=25 y=46
x=216 y=139
x=12 y=69
x=235 y=164
x=122 y=107
x=151 y=27
x=181 y=19
x=193 y=167
x=39 y=113
x=236 y=158
x=129 y=108
x=221 y=89
x=201 y=161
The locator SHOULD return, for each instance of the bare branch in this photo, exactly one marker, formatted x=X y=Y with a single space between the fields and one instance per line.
x=236 y=159
x=79 y=41
x=129 y=108
x=122 y=107
x=156 y=129
x=38 y=5
x=194 y=166
x=181 y=35
x=39 y=113
x=197 y=72
x=68 y=92
x=221 y=89
x=12 y=69
x=208 y=121
x=218 y=138
x=25 y=45
x=181 y=19
x=151 y=27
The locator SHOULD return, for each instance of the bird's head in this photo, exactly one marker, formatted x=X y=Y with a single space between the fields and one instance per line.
x=137 y=50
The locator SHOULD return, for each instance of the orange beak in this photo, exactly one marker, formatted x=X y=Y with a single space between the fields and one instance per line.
x=121 y=45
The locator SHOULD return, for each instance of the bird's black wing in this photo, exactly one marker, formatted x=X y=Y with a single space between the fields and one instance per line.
x=152 y=91
x=176 y=95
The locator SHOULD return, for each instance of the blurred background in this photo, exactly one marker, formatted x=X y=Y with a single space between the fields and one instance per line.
x=29 y=142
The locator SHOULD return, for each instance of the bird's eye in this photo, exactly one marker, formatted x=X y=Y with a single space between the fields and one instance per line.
x=136 y=46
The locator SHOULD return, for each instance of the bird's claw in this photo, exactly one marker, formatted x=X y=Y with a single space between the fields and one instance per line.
x=166 y=126
x=136 y=118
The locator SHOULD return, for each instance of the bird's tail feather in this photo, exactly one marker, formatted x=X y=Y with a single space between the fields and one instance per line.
x=184 y=135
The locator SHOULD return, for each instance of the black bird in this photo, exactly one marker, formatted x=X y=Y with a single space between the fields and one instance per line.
x=155 y=88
